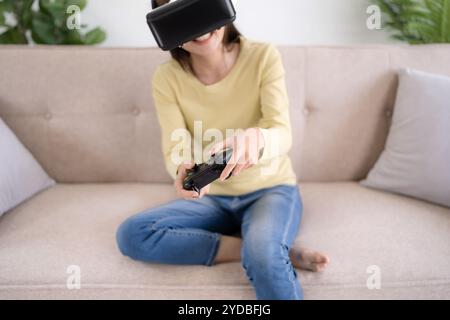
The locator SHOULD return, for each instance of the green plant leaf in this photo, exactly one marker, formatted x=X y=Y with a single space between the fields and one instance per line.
x=43 y=30
x=5 y=6
x=445 y=27
x=95 y=36
x=13 y=36
x=80 y=3
x=55 y=9
x=47 y=23
x=27 y=13
x=5 y=37
x=73 y=37
x=441 y=14
x=417 y=21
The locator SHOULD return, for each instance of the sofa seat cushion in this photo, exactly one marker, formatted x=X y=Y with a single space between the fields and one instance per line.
x=75 y=225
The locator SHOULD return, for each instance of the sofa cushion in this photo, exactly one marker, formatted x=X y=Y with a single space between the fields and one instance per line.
x=21 y=176
x=416 y=158
x=358 y=227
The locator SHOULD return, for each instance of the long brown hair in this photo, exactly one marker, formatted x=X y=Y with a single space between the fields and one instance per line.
x=183 y=57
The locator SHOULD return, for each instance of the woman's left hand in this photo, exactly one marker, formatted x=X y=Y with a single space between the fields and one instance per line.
x=246 y=145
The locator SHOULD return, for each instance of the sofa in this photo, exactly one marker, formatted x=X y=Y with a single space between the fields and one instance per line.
x=87 y=116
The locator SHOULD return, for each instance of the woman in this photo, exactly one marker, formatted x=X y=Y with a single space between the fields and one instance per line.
x=224 y=81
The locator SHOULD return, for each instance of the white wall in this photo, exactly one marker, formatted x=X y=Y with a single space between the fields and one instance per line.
x=283 y=22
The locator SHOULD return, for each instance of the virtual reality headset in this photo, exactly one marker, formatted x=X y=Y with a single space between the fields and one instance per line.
x=180 y=21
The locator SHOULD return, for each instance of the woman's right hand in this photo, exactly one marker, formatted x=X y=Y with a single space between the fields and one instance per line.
x=187 y=194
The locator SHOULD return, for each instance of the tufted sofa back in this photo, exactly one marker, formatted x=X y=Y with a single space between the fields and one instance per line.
x=87 y=113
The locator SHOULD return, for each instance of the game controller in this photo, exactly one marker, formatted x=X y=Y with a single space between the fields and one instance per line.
x=203 y=174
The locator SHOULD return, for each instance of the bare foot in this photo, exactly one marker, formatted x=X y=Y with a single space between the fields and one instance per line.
x=306 y=259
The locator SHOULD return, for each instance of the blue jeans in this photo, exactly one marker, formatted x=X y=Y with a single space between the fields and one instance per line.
x=187 y=232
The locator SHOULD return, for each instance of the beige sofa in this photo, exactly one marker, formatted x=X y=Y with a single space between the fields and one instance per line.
x=87 y=115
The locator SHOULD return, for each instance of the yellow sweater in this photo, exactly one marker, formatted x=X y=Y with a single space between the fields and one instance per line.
x=253 y=94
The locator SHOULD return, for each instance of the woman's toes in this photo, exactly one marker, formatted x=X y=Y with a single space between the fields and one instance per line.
x=319 y=267
x=321 y=258
x=312 y=256
x=309 y=260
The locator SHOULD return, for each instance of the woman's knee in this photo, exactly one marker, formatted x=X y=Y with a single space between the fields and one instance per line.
x=265 y=256
x=137 y=230
x=127 y=237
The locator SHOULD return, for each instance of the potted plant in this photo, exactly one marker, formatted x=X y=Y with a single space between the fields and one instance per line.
x=417 y=21
x=44 y=22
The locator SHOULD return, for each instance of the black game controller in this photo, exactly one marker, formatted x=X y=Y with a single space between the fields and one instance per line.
x=203 y=174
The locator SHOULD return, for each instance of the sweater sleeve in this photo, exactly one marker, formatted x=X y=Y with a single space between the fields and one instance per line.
x=174 y=134
x=275 y=122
